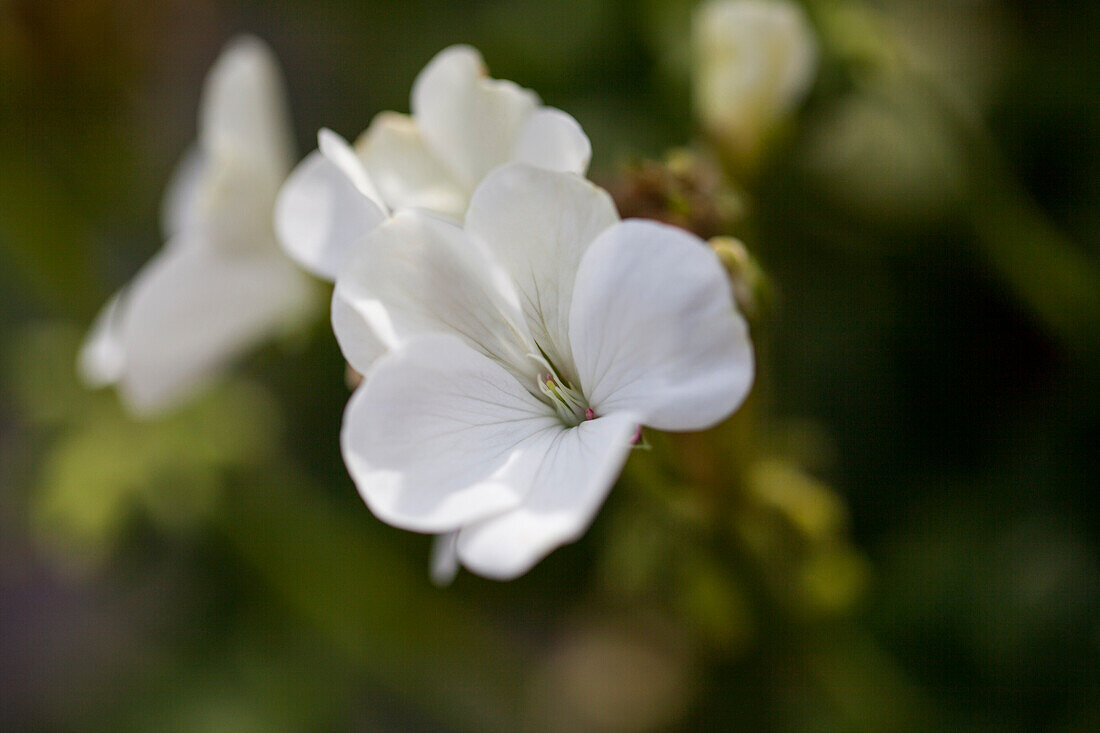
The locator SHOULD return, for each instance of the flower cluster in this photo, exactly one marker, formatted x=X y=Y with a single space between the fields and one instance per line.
x=463 y=125
x=514 y=335
x=511 y=360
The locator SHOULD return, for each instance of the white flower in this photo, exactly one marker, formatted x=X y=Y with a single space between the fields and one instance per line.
x=510 y=362
x=463 y=125
x=754 y=61
x=221 y=284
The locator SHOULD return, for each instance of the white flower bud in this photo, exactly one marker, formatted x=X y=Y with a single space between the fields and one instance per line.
x=754 y=61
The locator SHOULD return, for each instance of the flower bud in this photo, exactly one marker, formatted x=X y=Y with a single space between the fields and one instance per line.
x=753 y=62
x=685 y=189
x=751 y=287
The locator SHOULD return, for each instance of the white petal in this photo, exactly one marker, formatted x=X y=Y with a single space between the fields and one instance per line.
x=578 y=469
x=234 y=206
x=324 y=207
x=244 y=112
x=407 y=173
x=470 y=121
x=357 y=334
x=438 y=436
x=552 y=139
x=180 y=209
x=655 y=330
x=444 y=565
x=419 y=273
x=102 y=358
x=192 y=309
x=344 y=157
x=538 y=224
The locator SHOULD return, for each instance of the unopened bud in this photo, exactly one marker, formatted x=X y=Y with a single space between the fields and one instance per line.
x=751 y=287
x=685 y=189
x=753 y=63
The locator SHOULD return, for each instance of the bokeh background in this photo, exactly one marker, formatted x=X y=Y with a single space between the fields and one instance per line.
x=909 y=519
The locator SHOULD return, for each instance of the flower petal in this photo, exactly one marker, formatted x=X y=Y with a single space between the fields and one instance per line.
x=180 y=208
x=576 y=472
x=102 y=358
x=419 y=273
x=470 y=121
x=439 y=436
x=358 y=334
x=552 y=139
x=538 y=224
x=406 y=172
x=192 y=309
x=325 y=206
x=245 y=144
x=655 y=330
x=344 y=157
x=244 y=111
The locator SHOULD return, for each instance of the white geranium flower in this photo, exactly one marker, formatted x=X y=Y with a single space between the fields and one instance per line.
x=221 y=284
x=463 y=125
x=754 y=61
x=511 y=361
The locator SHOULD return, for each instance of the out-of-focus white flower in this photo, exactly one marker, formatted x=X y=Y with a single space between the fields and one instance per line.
x=511 y=361
x=463 y=125
x=754 y=61
x=221 y=284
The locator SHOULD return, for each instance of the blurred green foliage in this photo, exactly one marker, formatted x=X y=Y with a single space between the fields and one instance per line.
x=103 y=465
x=899 y=532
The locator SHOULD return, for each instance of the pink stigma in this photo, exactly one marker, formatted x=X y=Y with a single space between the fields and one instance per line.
x=637 y=436
x=589 y=414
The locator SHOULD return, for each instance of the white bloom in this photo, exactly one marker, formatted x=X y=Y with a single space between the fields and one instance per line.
x=463 y=125
x=221 y=284
x=754 y=61
x=510 y=362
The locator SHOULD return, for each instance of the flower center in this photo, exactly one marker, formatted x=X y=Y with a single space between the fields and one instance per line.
x=567 y=401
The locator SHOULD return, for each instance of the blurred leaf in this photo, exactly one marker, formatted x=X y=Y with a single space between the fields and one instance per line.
x=809 y=505
x=637 y=553
x=863 y=689
x=713 y=601
x=968 y=46
x=1052 y=277
x=103 y=464
x=833 y=579
x=885 y=156
x=340 y=574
